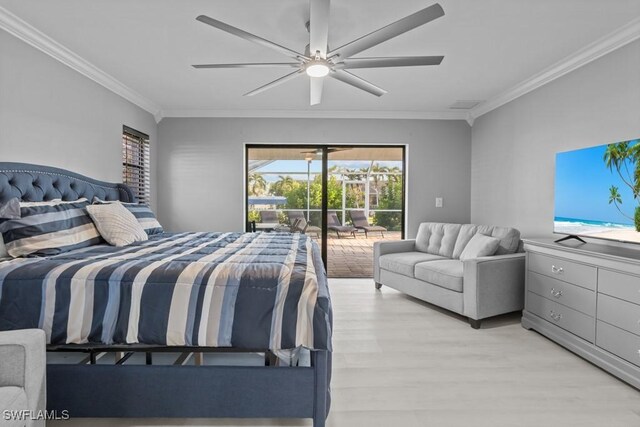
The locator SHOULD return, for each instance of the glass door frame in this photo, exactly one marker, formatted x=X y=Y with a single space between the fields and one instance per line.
x=325 y=177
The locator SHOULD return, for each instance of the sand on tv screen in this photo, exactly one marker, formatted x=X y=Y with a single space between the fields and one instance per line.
x=597 y=192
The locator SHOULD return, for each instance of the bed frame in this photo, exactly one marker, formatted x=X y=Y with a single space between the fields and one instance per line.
x=91 y=389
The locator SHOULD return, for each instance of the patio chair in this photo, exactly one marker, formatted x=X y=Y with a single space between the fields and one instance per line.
x=333 y=223
x=294 y=215
x=361 y=222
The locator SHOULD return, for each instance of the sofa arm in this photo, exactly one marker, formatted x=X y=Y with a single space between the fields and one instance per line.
x=493 y=285
x=389 y=247
x=23 y=364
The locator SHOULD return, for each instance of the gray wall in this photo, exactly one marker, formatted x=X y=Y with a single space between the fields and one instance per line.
x=52 y=115
x=514 y=146
x=202 y=164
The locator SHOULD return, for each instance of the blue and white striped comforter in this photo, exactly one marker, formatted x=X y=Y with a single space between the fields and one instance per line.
x=250 y=291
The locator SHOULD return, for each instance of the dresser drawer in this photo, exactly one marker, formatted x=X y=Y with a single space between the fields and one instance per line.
x=622 y=314
x=573 y=321
x=619 y=342
x=572 y=296
x=620 y=285
x=567 y=271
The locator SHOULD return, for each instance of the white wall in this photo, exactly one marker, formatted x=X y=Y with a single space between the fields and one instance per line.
x=201 y=164
x=54 y=116
x=514 y=146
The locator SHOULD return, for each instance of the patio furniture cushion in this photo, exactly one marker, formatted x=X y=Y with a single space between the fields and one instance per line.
x=437 y=238
x=480 y=245
x=445 y=273
x=405 y=262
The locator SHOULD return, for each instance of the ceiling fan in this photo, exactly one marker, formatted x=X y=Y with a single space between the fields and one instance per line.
x=318 y=61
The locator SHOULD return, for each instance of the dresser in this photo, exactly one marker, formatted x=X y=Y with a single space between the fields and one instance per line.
x=586 y=297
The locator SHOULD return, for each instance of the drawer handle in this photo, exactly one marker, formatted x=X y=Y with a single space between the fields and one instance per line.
x=556 y=270
x=556 y=294
x=555 y=316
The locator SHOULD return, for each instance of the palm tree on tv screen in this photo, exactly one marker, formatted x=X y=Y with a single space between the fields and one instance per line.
x=624 y=158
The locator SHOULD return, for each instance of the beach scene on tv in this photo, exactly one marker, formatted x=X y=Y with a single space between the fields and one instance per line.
x=597 y=192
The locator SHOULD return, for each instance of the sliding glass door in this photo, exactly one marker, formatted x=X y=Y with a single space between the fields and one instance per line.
x=360 y=189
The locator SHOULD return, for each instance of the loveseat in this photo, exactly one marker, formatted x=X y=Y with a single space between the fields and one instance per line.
x=22 y=378
x=486 y=282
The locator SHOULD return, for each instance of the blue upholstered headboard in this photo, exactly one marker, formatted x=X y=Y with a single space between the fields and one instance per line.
x=35 y=183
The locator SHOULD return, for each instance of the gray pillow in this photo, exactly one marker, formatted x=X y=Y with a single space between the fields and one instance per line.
x=480 y=245
x=10 y=209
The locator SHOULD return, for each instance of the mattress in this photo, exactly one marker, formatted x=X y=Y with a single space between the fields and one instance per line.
x=240 y=290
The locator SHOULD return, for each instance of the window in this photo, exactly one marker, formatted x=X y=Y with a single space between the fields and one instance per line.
x=135 y=163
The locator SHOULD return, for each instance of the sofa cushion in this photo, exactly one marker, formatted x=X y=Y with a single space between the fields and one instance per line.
x=437 y=238
x=467 y=231
x=444 y=273
x=404 y=262
x=509 y=238
x=479 y=246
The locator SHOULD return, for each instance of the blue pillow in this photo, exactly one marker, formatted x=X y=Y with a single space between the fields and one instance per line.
x=50 y=229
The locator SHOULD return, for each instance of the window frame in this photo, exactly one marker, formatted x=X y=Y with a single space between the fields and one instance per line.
x=136 y=165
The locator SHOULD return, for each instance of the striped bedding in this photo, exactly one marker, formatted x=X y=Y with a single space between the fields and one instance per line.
x=241 y=290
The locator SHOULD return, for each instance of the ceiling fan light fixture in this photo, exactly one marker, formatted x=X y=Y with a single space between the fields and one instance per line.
x=317 y=68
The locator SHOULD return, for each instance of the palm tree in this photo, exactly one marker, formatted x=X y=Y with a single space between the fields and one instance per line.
x=256 y=184
x=616 y=199
x=619 y=156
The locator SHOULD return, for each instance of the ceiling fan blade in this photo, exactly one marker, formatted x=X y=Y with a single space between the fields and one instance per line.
x=250 y=37
x=390 y=31
x=249 y=65
x=401 y=61
x=319 y=27
x=353 y=80
x=275 y=83
x=316 y=84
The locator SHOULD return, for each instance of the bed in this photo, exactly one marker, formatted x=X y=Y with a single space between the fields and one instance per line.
x=121 y=310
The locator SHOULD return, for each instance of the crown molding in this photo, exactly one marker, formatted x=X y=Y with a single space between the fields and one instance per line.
x=612 y=41
x=318 y=114
x=34 y=37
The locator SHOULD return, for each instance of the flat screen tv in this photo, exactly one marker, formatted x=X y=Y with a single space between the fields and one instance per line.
x=597 y=192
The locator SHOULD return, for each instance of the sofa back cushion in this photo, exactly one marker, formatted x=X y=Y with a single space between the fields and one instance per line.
x=509 y=238
x=449 y=240
x=437 y=238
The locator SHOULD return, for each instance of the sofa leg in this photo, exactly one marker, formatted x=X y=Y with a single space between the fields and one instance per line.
x=378 y=285
x=475 y=323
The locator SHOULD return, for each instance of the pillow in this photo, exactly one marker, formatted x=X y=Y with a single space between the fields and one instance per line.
x=143 y=214
x=52 y=202
x=480 y=245
x=50 y=229
x=116 y=224
x=10 y=209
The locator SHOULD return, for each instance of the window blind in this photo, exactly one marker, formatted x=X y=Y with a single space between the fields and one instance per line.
x=135 y=163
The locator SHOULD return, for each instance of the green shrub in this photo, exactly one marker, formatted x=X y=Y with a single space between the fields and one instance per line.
x=637 y=219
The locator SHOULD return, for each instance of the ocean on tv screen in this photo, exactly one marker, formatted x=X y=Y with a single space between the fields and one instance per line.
x=597 y=192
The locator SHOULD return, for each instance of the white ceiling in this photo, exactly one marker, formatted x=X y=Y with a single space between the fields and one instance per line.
x=489 y=47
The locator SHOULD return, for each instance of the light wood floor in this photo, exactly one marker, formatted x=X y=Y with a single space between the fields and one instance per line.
x=402 y=363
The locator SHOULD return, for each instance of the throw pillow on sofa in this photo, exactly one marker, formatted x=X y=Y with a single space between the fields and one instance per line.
x=479 y=246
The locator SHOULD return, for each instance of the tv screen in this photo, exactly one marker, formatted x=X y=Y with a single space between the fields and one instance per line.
x=597 y=192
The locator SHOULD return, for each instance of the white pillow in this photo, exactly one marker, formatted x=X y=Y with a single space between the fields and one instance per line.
x=480 y=245
x=116 y=224
x=51 y=202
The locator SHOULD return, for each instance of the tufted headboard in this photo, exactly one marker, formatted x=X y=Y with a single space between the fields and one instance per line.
x=35 y=183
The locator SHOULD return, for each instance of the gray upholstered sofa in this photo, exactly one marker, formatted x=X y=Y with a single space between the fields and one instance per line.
x=429 y=268
x=22 y=377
